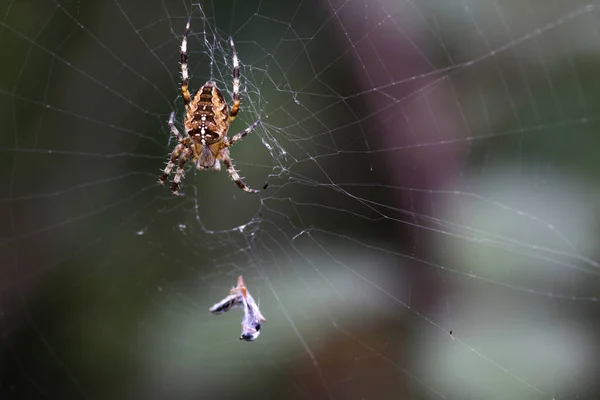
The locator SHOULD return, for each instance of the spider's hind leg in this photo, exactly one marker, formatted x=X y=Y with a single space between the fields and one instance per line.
x=243 y=133
x=184 y=67
x=236 y=84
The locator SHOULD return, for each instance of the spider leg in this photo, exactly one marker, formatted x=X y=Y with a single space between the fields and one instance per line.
x=174 y=129
x=233 y=173
x=184 y=68
x=174 y=156
x=236 y=84
x=179 y=174
x=243 y=133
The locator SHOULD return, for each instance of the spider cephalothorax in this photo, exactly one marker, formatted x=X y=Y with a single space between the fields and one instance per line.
x=207 y=120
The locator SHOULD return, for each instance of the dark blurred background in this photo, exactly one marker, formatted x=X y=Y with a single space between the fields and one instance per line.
x=432 y=167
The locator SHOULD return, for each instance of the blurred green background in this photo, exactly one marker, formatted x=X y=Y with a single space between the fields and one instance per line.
x=432 y=166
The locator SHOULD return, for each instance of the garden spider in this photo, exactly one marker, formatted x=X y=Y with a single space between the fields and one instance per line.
x=207 y=120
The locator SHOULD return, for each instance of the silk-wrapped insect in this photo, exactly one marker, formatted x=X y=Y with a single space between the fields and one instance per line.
x=240 y=297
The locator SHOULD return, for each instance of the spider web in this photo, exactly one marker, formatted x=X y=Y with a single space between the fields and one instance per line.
x=429 y=229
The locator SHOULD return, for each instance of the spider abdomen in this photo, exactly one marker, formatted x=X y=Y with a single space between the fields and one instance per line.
x=207 y=117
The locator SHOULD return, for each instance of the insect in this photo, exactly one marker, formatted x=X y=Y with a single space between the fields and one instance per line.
x=229 y=302
x=206 y=122
x=239 y=297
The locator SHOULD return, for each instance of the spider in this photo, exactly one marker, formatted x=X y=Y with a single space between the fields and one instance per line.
x=207 y=120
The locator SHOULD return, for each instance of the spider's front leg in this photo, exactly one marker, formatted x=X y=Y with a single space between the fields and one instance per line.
x=233 y=173
x=179 y=174
x=174 y=156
